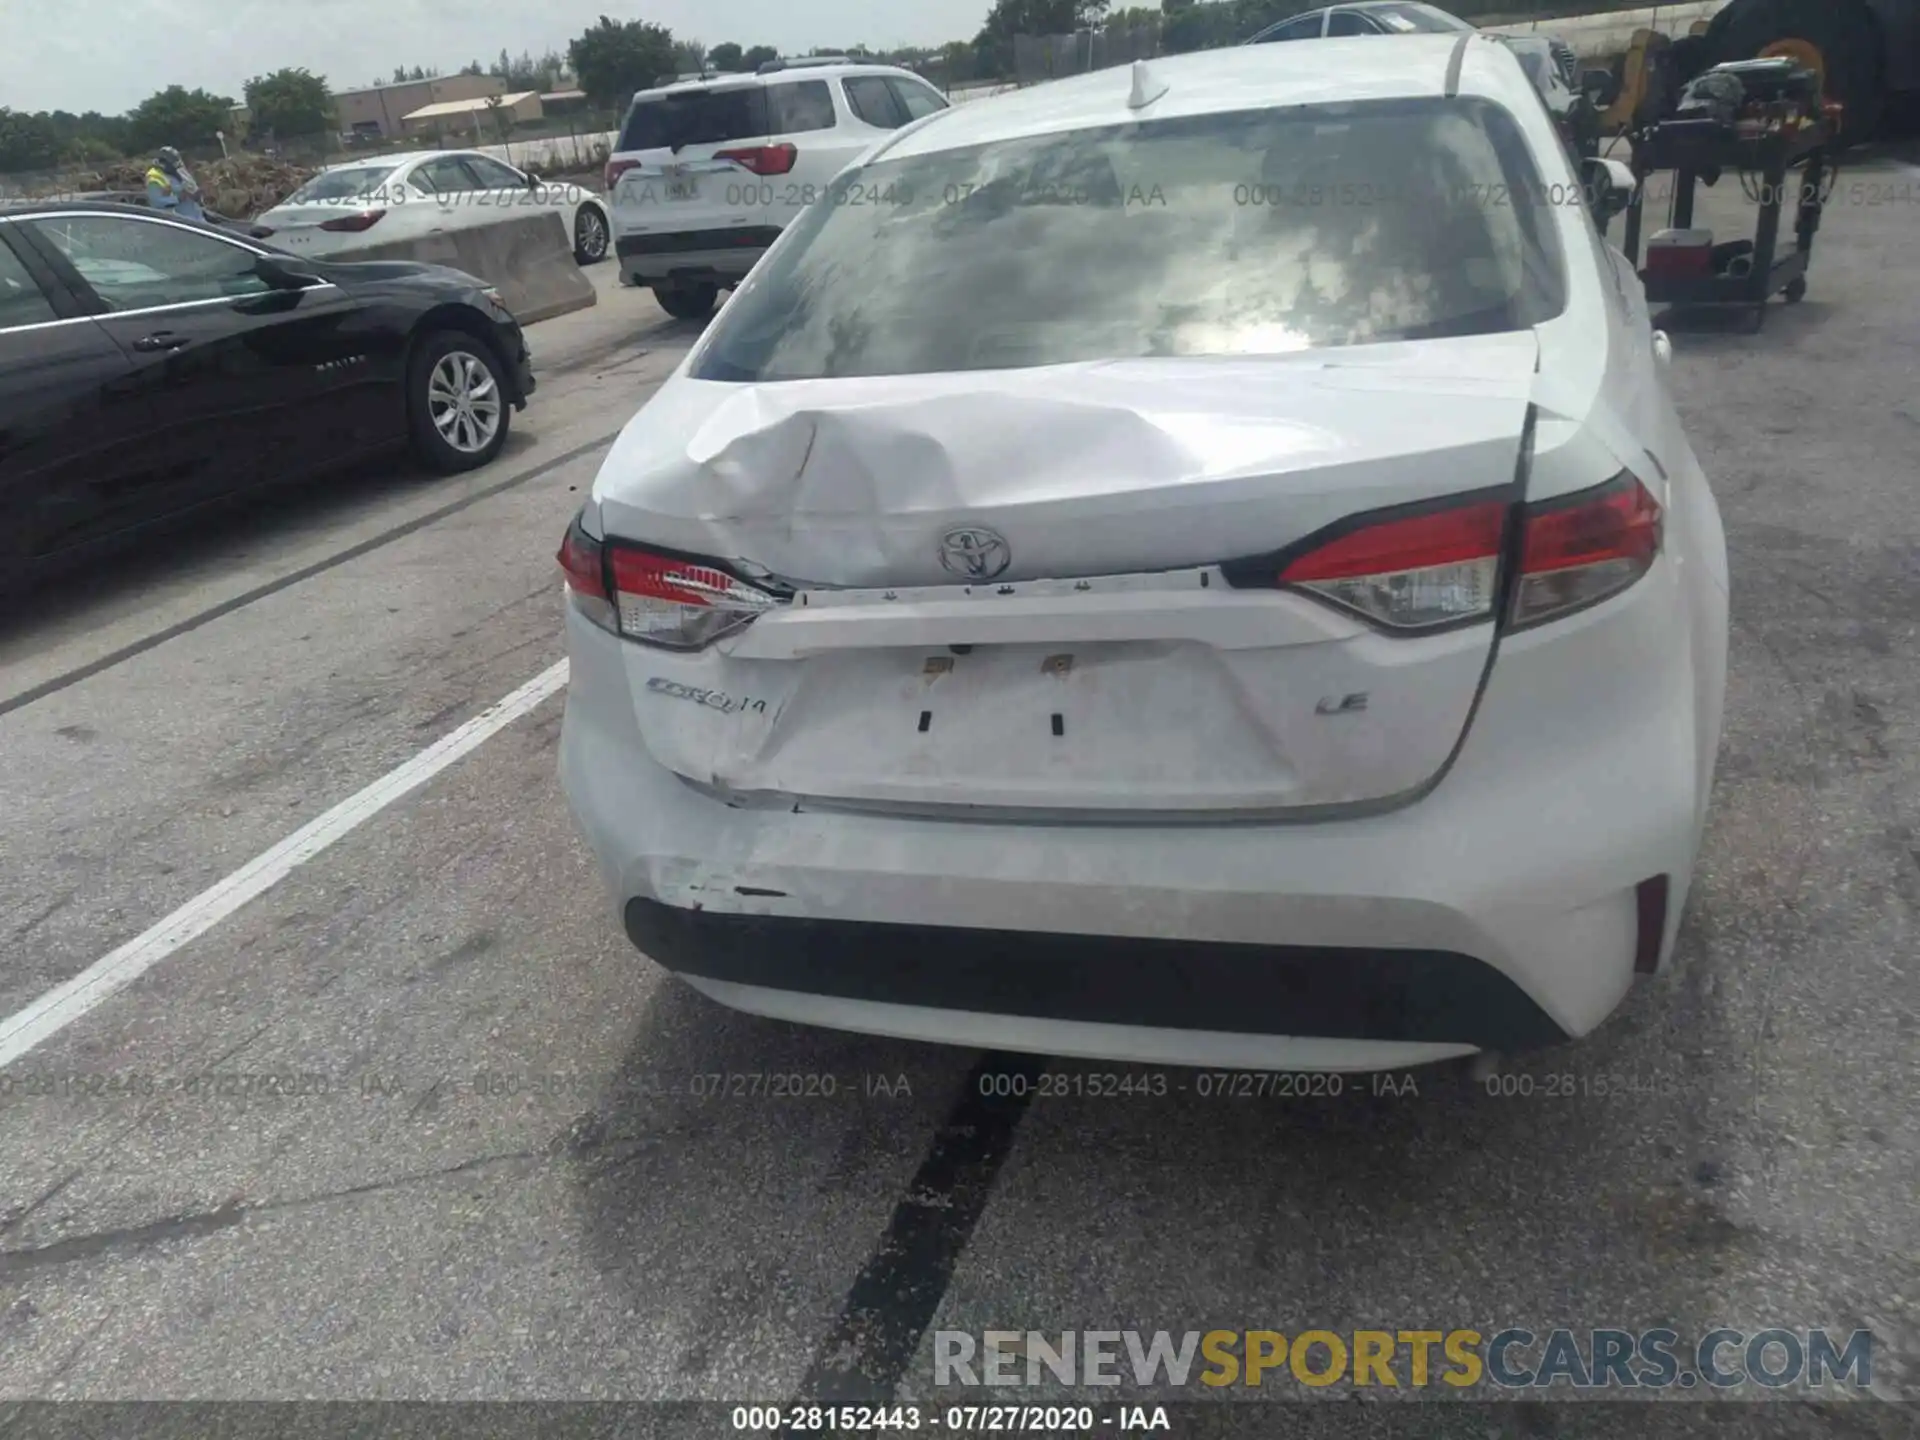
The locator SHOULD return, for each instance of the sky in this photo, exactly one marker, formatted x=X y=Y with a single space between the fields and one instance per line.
x=109 y=55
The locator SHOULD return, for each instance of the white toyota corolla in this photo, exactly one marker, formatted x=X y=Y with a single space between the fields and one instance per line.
x=1189 y=564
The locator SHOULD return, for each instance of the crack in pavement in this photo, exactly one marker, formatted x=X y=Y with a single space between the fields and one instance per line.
x=230 y=1215
x=11 y=1222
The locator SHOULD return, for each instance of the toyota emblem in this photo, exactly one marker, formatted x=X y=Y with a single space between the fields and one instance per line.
x=974 y=554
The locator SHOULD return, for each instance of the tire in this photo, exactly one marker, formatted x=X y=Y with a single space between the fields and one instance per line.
x=1843 y=33
x=446 y=365
x=687 y=302
x=592 y=236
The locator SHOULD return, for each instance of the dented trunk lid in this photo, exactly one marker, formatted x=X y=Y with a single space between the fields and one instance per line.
x=1104 y=668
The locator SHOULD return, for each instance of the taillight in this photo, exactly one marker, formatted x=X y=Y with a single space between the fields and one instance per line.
x=680 y=604
x=762 y=159
x=669 y=601
x=353 y=224
x=617 y=168
x=583 y=564
x=1410 y=572
x=1584 y=548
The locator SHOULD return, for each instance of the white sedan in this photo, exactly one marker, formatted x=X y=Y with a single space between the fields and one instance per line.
x=1197 y=565
x=402 y=197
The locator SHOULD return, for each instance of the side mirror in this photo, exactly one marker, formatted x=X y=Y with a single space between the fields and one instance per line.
x=1601 y=87
x=1609 y=185
x=283 y=272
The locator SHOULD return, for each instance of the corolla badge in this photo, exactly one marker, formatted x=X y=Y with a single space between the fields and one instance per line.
x=975 y=554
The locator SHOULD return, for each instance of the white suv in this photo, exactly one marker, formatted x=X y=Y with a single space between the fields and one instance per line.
x=708 y=172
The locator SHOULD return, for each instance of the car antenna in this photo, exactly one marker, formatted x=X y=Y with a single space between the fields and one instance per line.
x=1147 y=87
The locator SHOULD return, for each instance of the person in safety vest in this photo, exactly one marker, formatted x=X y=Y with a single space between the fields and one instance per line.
x=172 y=188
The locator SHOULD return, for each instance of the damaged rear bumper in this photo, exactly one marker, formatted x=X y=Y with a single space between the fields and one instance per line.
x=1403 y=997
x=1501 y=912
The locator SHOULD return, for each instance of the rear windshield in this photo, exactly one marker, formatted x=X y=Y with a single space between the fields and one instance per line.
x=348 y=183
x=696 y=117
x=1411 y=19
x=715 y=117
x=1256 y=232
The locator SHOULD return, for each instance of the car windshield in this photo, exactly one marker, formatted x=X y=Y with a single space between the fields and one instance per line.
x=676 y=118
x=1417 y=19
x=1253 y=232
x=350 y=182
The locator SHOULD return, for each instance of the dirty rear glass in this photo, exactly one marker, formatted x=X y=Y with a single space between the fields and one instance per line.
x=1255 y=232
x=348 y=183
x=696 y=117
x=1412 y=19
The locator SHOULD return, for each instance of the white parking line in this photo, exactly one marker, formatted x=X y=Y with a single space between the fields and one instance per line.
x=67 y=1002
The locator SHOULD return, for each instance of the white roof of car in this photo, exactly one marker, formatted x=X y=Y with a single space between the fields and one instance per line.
x=396 y=160
x=1249 y=77
x=734 y=79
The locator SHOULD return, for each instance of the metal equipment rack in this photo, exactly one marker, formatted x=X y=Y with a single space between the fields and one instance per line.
x=1689 y=152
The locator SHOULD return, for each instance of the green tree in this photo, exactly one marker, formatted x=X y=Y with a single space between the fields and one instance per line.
x=956 y=62
x=499 y=119
x=89 y=137
x=1009 y=18
x=27 y=142
x=474 y=68
x=1134 y=17
x=187 y=119
x=614 y=59
x=727 y=57
x=88 y=150
x=290 y=102
x=689 y=57
x=757 y=56
x=399 y=75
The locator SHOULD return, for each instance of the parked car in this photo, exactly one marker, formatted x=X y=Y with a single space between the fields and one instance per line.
x=1575 y=100
x=708 y=172
x=150 y=365
x=401 y=197
x=1097 y=605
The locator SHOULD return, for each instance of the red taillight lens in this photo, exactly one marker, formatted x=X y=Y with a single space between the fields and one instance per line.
x=1584 y=549
x=762 y=159
x=617 y=168
x=677 y=603
x=353 y=224
x=582 y=564
x=1411 y=572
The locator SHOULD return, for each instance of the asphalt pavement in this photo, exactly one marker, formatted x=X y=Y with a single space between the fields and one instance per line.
x=466 y=1144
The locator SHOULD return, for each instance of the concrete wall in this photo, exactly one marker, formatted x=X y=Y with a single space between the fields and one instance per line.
x=529 y=259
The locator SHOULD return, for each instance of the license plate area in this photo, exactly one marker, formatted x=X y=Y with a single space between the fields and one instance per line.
x=680 y=185
x=1104 y=724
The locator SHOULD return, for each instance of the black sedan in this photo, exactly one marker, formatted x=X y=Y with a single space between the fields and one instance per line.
x=138 y=198
x=150 y=365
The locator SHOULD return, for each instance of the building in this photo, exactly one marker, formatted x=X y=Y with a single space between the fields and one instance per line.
x=564 y=102
x=382 y=109
x=473 y=115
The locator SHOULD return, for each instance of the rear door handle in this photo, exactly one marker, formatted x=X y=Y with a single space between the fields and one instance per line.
x=160 y=340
